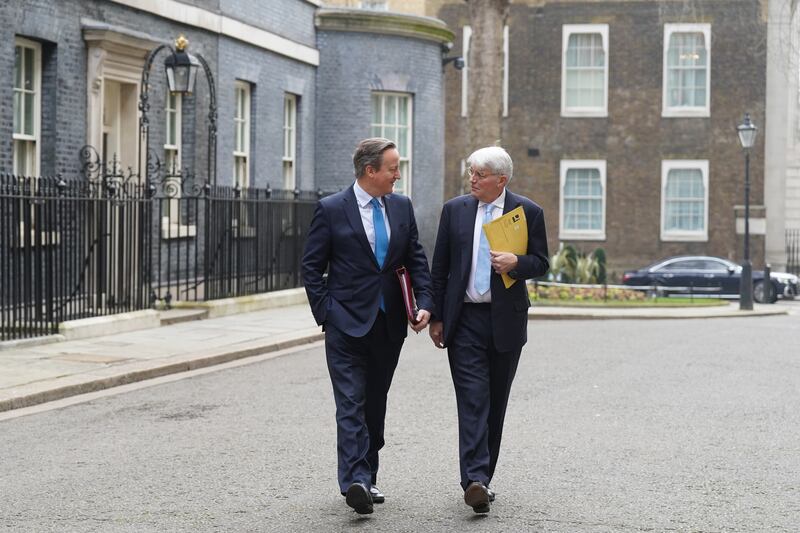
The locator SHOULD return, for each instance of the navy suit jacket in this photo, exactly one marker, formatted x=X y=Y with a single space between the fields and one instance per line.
x=452 y=259
x=350 y=298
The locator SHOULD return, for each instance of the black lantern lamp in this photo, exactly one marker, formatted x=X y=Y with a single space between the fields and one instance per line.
x=747 y=136
x=181 y=68
x=747 y=132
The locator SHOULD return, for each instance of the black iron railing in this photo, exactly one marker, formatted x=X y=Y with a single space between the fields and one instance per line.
x=80 y=248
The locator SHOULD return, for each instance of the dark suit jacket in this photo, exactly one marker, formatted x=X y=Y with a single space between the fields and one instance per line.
x=337 y=242
x=452 y=258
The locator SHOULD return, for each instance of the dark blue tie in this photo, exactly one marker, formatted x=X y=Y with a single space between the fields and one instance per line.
x=381 y=238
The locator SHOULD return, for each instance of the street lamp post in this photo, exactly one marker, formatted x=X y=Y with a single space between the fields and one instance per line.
x=181 y=70
x=747 y=136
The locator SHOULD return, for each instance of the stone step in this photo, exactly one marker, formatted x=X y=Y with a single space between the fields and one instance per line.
x=176 y=316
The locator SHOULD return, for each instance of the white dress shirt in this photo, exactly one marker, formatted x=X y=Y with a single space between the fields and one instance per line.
x=365 y=208
x=497 y=212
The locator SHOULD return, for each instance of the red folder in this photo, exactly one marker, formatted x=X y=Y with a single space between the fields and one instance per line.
x=408 y=294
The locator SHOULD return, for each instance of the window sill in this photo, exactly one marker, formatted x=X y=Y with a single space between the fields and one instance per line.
x=587 y=113
x=684 y=237
x=581 y=236
x=686 y=112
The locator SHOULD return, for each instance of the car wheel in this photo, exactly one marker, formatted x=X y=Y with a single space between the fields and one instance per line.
x=763 y=293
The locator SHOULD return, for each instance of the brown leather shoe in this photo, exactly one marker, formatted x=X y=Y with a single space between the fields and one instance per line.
x=477 y=496
x=491 y=494
x=358 y=497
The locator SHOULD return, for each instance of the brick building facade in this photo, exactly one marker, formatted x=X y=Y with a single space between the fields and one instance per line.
x=293 y=95
x=617 y=159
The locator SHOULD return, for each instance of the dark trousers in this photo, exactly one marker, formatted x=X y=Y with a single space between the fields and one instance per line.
x=361 y=370
x=482 y=377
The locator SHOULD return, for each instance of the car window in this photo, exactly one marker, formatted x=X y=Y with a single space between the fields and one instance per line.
x=679 y=265
x=713 y=265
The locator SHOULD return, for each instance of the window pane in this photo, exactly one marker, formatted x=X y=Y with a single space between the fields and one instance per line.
x=585 y=73
x=685 y=199
x=391 y=133
x=402 y=141
x=376 y=109
x=391 y=115
x=390 y=111
x=18 y=67
x=403 y=110
x=687 y=60
x=583 y=199
x=17 y=112
x=29 y=65
x=572 y=50
x=29 y=110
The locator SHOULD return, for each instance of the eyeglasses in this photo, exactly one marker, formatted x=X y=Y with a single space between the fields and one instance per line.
x=472 y=172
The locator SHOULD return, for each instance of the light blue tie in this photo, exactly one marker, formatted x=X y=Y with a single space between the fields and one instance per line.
x=381 y=238
x=483 y=267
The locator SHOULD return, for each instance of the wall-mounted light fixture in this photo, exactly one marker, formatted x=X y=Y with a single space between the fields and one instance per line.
x=458 y=61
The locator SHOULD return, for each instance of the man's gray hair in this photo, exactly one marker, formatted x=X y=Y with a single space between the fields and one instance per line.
x=369 y=152
x=492 y=158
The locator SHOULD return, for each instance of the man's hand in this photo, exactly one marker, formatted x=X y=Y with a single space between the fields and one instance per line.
x=436 y=332
x=423 y=317
x=503 y=262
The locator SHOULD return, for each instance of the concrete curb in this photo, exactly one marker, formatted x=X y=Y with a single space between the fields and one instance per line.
x=247 y=304
x=115 y=375
x=99 y=326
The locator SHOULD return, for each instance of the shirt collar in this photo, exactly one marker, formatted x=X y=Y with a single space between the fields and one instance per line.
x=500 y=201
x=363 y=197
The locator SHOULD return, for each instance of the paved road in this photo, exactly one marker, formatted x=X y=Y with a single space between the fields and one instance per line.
x=614 y=426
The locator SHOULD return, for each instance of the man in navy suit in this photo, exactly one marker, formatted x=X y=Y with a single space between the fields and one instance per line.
x=483 y=324
x=361 y=235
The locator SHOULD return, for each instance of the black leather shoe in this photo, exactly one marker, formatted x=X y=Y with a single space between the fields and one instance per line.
x=491 y=494
x=358 y=498
x=477 y=496
x=377 y=495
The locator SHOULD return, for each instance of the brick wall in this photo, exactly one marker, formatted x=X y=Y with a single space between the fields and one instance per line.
x=352 y=65
x=634 y=138
x=292 y=19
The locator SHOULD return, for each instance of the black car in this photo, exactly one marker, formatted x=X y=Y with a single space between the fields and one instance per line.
x=701 y=275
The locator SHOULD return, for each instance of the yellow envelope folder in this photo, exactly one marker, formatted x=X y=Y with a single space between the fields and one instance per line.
x=509 y=233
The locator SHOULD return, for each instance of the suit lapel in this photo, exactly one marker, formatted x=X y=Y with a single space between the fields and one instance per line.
x=467 y=228
x=353 y=215
x=396 y=217
x=510 y=203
